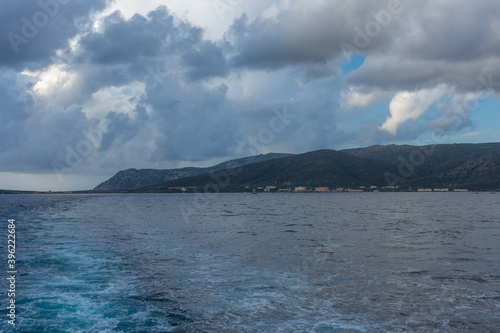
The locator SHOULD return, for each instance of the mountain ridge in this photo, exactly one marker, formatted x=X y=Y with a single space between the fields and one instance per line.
x=442 y=165
x=318 y=168
x=136 y=178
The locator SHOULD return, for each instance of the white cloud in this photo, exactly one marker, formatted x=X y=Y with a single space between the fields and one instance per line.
x=411 y=106
x=114 y=99
x=356 y=98
x=54 y=81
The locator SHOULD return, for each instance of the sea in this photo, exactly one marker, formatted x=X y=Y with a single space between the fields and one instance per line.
x=271 y=262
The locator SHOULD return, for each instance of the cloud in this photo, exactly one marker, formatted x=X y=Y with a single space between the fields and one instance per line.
x=123 y=41
x=159 y=39
x=206 y=61
x=454 y=112
x=453 y=31
x=411 y=106
x=35 y=30
x=385 y=73
x=119 y=100
x=355 y=97
x=133 y=75
x=18 y=102
x=437 y=42
x=301 y=33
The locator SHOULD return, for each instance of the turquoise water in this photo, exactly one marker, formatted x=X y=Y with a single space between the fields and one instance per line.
x=380 y=262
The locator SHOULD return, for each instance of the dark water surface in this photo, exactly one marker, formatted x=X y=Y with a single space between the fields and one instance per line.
x=339 y=262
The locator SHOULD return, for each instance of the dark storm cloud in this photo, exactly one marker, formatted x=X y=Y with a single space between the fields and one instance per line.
x=16 y=104
x=412 y=74
x=123 y=55
x=455 y=43
x=309 y=33
x=453 y=31
x=151 y=40
x=195 y=122
x=122 y=128
x=419 y=44
x=41 y=138
x=206 y=61
x=32 y=30
x=124 y=41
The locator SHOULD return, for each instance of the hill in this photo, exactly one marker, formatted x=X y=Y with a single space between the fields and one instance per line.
x=134 y=178
x=318 y=168
x=472 y=166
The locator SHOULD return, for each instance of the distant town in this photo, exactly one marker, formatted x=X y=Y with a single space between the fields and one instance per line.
x=257 y=189
x=305 y=189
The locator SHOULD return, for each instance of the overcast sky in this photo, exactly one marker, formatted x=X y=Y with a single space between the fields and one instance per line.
x=91 y=87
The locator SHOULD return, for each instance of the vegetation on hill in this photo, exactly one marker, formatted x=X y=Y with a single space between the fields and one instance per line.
x=134 y=178
x=471 y=166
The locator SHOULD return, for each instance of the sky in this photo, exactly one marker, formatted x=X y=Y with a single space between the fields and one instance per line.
x=91 y=87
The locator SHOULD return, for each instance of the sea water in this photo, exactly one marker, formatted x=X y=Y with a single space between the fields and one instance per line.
x=333 y=262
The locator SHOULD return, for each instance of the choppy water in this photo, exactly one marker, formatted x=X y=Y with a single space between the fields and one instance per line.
x=381 y=262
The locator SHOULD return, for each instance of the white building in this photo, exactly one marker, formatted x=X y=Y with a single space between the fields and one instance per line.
x=300 y=189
